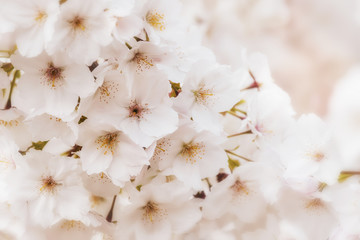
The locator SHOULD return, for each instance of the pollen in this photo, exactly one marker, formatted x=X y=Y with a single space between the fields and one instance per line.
x=314 y=204
x=161 y=149
x=203 y=95
x=71 y=225
x=11 y=123
x=143 y=62
x=317 y=156
x=100 y=178
x=156 y=20
x=108 y=143
x=192 y=152
x=239 y=187
x=152 y=212
x=96 y=200
x=77 y=23
x=53 y=76
x=107 y=91
x=55 y=119
x=48 y=184
x=136 y=110
x=41 y=16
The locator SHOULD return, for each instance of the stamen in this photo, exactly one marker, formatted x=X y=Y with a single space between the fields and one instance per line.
x=161 y=149
x=73 y=225
x=317 y=156
x=136 y=110
x=41 y=16
x=192 y=152
x=240 y=187
x=77 y=23
x=107 y=91
x=49 y=184
x=53 y=76
x=152 y=212
x=156 y=20
x=55 y=118
x=314 y=204
x=108 y=143
x=203 y=95
x=142 y=61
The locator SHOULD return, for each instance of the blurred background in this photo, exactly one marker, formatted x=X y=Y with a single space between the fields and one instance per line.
x=310 y=44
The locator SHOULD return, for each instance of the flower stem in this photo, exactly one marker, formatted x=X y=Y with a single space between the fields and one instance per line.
x=351 y=172
x=235 y=115
x=110 y=214
x=239 y=134
x=16 y=75
x=239 y=156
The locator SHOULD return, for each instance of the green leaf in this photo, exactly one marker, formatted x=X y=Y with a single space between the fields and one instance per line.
x=176 y=89
x=344 y=176
x=233 y=164
x=82 y=119
x=7 y=67
x=39 y=145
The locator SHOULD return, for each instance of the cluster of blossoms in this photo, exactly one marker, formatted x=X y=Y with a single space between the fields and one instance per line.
x=116 y=123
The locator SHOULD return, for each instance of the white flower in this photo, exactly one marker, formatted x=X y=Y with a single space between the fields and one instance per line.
x=303 y=213
x=161 y=19
x=344 y=116
x=51 y=85
x=35 y=25
x=239 y=194
x=9 y=157
x=112 y=152
x=145 y=56
x=255 y=71
x=208 y=90
x=157 y=211
x=46 y=127
x=46 y=188
x=308 y=151
x=190 y=155
x=345 y=200
x=145 y=113
x=269 y=114
x=139 y=107
x=12 y=122
x=83 y=28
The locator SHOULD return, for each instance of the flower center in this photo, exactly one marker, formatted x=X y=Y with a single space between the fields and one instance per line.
x=156 y=20
x=136 y=110
x=96 y=200
x=41 y=16
x=192 y=152
x=202 y=95
x=73 y=225
x=314 y=204
x=53 y=75
x=107 y=143
x=107 y=91
x=77 y=23
x=317 y=156
x=152 y=212
x=48 y=184
x=142 y=61
x=240 y=187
